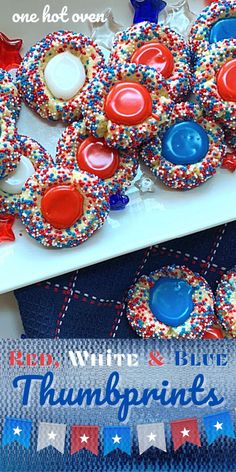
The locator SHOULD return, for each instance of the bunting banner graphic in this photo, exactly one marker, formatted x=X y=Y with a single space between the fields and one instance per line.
x=51 y=434
x=151 y=435
x=84 y=437
x=18 y=430
x=219 y=424
x=117 y=437
x=185 y=431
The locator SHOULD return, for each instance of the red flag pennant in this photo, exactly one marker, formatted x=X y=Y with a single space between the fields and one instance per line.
x=185 y=431
x=84 y=437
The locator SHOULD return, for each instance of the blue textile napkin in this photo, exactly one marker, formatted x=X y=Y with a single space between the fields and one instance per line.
x=90 y=303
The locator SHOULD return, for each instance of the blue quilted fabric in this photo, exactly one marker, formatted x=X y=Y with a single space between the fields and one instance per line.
x=90 y=303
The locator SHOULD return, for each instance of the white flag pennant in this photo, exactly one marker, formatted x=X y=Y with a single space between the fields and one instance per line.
x=51 y=434
x=151 y=435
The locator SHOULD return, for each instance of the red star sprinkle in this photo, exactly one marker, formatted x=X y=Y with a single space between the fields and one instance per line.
x=6 y=233
x=10 y=57
x=229 y=161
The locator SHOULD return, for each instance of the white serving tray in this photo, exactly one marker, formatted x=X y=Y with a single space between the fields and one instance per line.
x=149 y=219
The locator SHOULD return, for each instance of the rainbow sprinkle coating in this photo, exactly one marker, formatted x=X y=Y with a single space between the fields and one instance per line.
x=9 y=156
x=123 y=136
x=199 y=34
x=126 y=42
x=9 y=94
x=40 y=159
x=205 y=81
x=226 y=301
x=67 y=147
x=144 y=322
x=30 y=75
x=184 y=177
x=95 y=207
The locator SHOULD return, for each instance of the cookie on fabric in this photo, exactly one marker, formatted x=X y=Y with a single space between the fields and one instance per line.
x=54 y=73
x=126 y=105
x=9 y=94
x=63 y=208
x=33 y=158
x=226 y=302
x=216 y=23
x=155 y=46
x=215 y=82
x=79 y=150
x=188 y=152
x=9 y=156
x=172 y=302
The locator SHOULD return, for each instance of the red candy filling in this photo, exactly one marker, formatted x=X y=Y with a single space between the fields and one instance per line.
x=128 y=103
x=226 y=81
x=62 y=206
x=96 y=157
x=156 y=55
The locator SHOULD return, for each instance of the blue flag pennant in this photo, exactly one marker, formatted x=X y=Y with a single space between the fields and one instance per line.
x=219 y=424
x=117 y=437
x=18 y=430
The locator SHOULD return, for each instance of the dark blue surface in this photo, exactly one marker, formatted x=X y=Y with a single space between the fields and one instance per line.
x=171 y=301
x=223 y=29
x=147 y=10
x=185 y=143
x=91 y=302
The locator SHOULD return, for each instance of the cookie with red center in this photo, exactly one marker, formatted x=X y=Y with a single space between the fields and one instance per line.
x=9 y=156
x=63 y=208
x=155 y=46
x=216 y=23
x=55 y=72
x=9 y=94
x=171 y=302
x=126 y=105
x=188 y=152
x=215 y=82
x=33 y=158
x=77 y=149
x=226 y=302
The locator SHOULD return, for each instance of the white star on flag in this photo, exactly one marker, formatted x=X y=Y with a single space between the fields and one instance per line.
x=17 y=431
x=185 y=432
x=218 y=426
x=84 y=438
x=51 y=435
x=152 y=437
x=116 y=439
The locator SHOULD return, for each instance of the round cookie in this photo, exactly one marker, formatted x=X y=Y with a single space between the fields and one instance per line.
x=54 y=73
x=188 y=152
x=63 y=208
x=33 y=158
x=158 y=47
x=9 y=156
x=171 y=302
x=226 y=302
x=126 y=105
x=9 y=94
x=78 y=150
x=215 y=82
x=216 y=23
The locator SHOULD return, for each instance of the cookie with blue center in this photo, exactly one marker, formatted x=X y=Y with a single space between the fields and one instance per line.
x=214 y=82
x=33 y=157
x=155 y=46
x=226 y=302
x=188 y=152
x=9 y=156
x=78 y=149
x=126 y=105
x=63 y=208
x=9 y=94
x=55 y=72
x=216 y=23
x=171 y=302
